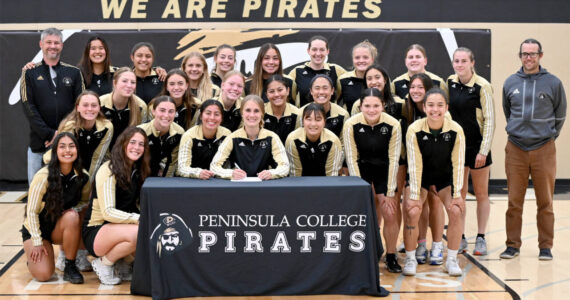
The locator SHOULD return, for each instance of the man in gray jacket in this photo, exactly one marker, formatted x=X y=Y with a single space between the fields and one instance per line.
x=534 y=103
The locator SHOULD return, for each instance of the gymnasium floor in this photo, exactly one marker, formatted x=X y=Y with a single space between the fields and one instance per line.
x=488 y=277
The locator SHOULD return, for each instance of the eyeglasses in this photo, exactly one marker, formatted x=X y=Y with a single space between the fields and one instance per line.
x=527 y=54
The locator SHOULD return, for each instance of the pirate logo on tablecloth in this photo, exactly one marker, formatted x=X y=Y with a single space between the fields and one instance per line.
x=171 y=235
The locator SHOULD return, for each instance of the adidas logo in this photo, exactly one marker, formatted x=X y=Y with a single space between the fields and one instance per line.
x=150 y=143
x=425 y=138
x=350 y=83
x=453 y=86
x=305 y=73
x=404 y=86
x=361 y=130
x=267 y=121
x=303 y=146
x=241 y=144
x=40 y=77
x=516 y=91
x=199 y=144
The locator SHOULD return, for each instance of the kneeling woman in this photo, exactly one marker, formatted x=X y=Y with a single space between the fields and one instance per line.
x=373 y=141
x=436 y=152
x=252 y=150
x=62 y=185
x=199 y=144
x=164 y=137
x=111 y=223
x=314 y=150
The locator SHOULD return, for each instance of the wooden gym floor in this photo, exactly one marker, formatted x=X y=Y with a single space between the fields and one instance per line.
x=487 y=277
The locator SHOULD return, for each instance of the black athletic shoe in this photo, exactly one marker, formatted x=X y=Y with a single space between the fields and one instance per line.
x=510 y=252
x=392 y=264
x=71 y=273
x=545 y=254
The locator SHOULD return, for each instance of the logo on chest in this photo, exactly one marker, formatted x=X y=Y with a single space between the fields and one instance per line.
x=263 y=144
x=67 y=81
x=155 y=81
x=323 y=148
x=384 y=130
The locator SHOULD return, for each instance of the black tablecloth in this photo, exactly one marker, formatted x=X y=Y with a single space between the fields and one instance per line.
x=292 y=236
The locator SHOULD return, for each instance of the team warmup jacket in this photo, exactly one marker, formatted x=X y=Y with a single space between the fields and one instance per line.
x=401 y=85
x=288 y=122
x=288 y=82
x=471 y=105
x=200 y=98
x=303 y=74
x=75 y=194
x=46 y=104
x=377 y=146
x=120 y=118
x=93 y=144
x=196 y=152
x=149 y=86
x=321 y=158
x=163 y=149
x=110 y=203
x=103 y=83
x=264 y=153
x=351 y=88
x=335 y=119
x=435 y=157
x=232 y=117
x=216 y=79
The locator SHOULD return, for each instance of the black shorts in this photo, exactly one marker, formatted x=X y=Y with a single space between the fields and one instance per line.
x=46 y=229
x=471 y=154
x=440 y=183
x=89 y=233
x=376 y=176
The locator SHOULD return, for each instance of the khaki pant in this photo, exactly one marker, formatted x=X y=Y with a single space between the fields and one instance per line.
x=540 y=164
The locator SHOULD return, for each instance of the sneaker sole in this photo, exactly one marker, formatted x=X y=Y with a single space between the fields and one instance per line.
x=421 y=261
x=436 y=263
x=478 y=253
x=544 y=258
x=71 y=281
x=509 y=256
x=99 y=277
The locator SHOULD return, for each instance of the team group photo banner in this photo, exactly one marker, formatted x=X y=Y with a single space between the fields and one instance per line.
x=18 y=48
x=291 y=236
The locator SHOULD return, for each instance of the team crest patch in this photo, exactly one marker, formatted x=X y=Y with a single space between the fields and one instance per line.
x=171 y=234
x=384 y=130
x=155 y=81
x=263 y=144
x=287 y=121
x=67 y=81
x=446 y=137
x=323 y=148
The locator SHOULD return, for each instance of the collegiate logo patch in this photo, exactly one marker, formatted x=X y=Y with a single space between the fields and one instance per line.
x=384 y=130
x=471 y=90
x=263 y=144
x=171 y=235
x=155 y=81
x=67 y=81
x=99 y=135
x=287 y=121
x=40 y=78
x=323 y=147
x=446 y=137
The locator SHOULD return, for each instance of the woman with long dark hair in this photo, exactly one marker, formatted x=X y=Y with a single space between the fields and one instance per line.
x=111 y=223
x=63 y=187
x=280 y=117
x=178 y=88
x=95 y=66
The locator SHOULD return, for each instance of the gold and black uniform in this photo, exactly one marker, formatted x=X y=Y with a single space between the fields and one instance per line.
x=435 y=157
x=264 y=153
x=232 y=117
x=303 y=75
x=149 y=86
x=401 y=85
x=103 y=83
x=288 y=82
x=120 y=118
x=110 y=203
x=373 y=151
x=321 y=158
x=335 y=119
x=196 y=152
x=350 y=89
x=163 y=149
x=471 y=106
x=93 y=144
x=216 y=79
x=283 y=126
x=180 y=116
x=214 y=93
x=37 y=224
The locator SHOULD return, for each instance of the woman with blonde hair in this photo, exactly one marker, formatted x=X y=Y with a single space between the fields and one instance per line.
x=195 y=66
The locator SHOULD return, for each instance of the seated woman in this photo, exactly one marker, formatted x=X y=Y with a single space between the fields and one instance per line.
x=314 y=150
x=61 y=186
x=164 y=137
x=280 y=117
x=199 y=144
x=251 y=150
x=373 y=141
x=111 y=223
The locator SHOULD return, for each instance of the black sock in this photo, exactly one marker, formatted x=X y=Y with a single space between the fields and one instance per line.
x=69 y=262
x=481 y=235
x=463 y=236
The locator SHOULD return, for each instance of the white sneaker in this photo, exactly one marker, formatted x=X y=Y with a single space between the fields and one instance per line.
x=421 y=254
x=82 y=262
x=105 y=273
x=60 y=261
x=436 y=254
x=452 y=267
x=410 y=266
x=124 y=270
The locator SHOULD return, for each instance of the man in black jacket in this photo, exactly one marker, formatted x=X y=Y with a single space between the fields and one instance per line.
x=48 y=92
